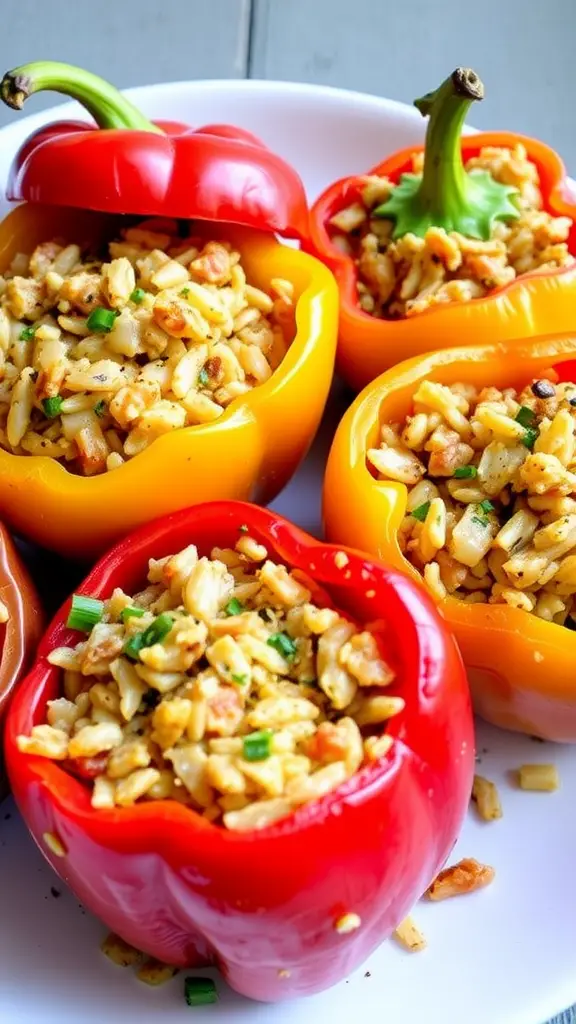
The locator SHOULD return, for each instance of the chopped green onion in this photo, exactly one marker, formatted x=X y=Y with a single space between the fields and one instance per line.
x=200 y=991
x=525 y=416
x=241 y=680
x=256 y=746
x=101 y=321
x=154 y=634
x=52 y=406
x=203 y=378
x=282 y=643
x=486 y=506
x=531 y=435
x=131 y=613
x=465 y=473
x=100 y=408
x=27 y=333
x=421 y=512
x=185 y=293
x=85 y=612
x=481 y=522
x=243 y=528
x=137 y=296
x=133 y=646
x=234 y=607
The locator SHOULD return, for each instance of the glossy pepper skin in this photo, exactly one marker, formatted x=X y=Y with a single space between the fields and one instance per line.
x=249 y=453
x=19 y=636
x=126 y=164
x=532 y=305
x=520 y=668
x=263 y=905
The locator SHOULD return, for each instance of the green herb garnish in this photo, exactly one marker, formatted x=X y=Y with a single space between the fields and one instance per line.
x=200 y=991
x=137 y=296
x=100 y=408
x=131 y=613
x=465 y=473
x=525 y=416
x=256 y=746
x=27 y=333
x=154 y=634
x=101 y=321
x=85 y=613
x=234 y=607
x=531 y=435
x=486 y=506
x=203 y=378
x=421 y=512
x=241 y=680
x=185 y=292
x=52 y=406
x=282 y=643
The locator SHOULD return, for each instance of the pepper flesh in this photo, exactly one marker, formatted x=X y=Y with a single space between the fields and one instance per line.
x=21 y=632
x=532 y=305
x=250 y=452
x=520 y=668
x=127 y=164
x=264 y=906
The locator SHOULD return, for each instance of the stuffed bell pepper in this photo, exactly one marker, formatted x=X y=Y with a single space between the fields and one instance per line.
x=242 y=746
x=460 y=468
x=21 y=625
x=148 y=364
x=461 y=241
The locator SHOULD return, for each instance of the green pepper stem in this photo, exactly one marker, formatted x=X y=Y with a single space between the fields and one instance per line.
x=106 y=105
x=444 y=185
x=446 y=195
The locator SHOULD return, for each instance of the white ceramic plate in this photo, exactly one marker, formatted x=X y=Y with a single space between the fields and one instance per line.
x=502 y=956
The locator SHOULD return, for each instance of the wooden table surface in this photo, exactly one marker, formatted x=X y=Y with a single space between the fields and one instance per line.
x=395 y=50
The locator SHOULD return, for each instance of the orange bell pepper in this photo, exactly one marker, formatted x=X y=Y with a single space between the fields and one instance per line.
x=250 y=452
x=20 y=634
x=520 y=668
x=532 y=305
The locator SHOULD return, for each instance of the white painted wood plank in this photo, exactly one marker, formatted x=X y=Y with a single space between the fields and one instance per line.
x=523 y=49
x=129 y=42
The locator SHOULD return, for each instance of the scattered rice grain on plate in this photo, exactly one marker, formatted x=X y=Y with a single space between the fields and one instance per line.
x=487 y=799
x=543 y=778
x=409 y=936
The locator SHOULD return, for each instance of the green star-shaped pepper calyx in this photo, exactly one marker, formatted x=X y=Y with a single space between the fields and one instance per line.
x=445 y=195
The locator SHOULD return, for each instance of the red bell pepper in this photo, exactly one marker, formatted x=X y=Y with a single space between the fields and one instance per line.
x=263 y=906
x=127 y=164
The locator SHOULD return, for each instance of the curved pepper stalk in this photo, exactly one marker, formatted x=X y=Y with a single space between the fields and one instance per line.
x=263 y=906
x=520 y=668
x=445 y=195
x=128 y=164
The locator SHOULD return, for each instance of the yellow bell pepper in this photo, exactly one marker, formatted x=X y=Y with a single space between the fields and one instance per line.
x=520 y=667
x=249 y=453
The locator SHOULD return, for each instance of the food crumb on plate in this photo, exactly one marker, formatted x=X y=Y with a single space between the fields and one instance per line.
x=543 y=778
x=466 y=876
x=486 y=798
x=119 y=952
x=409 y=936
x=153 y=972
